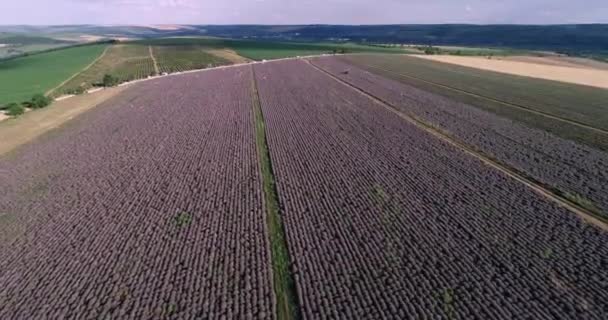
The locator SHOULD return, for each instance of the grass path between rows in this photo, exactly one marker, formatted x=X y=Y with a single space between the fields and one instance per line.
x=547 y=192
x=156 y=70
x=286 y=307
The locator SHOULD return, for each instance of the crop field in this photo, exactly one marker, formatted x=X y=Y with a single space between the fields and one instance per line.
x=127 y=62
x=181 y=58
x=573 y=170
x=569 y=111
x=21 y=78
x=237 y=194
x=127 y=208
x=261 y=50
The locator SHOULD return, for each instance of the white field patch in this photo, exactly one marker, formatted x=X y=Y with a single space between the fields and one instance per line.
x=578 y=75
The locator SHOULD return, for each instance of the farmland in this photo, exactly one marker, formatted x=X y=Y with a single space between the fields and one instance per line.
x=21 y=78
x=571 y=169
x=126 y=62
x=182 y=58
x=569 y=111
x=265 y=50
x=236 y=193
x=137 y=232
x=12 y=45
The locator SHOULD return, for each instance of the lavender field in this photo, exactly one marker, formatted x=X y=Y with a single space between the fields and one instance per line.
x=570 y=168
x=150 y=207
x=156 y=205
x=386 y=221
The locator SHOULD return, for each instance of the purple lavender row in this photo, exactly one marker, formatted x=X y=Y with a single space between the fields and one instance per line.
x=385 y=221
x=147 y=207
x=561 y=164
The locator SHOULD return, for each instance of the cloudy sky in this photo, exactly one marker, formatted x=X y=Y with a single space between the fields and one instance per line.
x=301 y=11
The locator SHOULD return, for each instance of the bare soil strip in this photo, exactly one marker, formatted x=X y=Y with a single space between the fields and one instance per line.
x=18 y=131
x=508 y=104
x=582 y=76
x=283 y=280
x=583 y=213
x=79 y=72
x=156 y=70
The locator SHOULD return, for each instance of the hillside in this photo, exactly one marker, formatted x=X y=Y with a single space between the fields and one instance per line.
x=579 y=39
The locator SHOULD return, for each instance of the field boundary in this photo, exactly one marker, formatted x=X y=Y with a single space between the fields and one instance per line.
x=547 y=192
x=283 y=282
x=81 y=71
x=483 y=97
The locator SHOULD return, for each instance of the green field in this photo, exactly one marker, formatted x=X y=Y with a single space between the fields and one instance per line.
x=506 y=95
x=263 y=50
x=21 y=78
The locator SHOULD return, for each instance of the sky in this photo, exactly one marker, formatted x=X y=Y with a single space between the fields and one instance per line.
x=146 y=12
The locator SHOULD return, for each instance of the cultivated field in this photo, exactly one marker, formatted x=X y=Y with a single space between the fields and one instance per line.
x=27 y=127
x=182 y=58
x=261 y=50
x=573 y=112
x=21 y=78
x=570 y=74
x=149 y=207
x=126 y=62
x=302 y=189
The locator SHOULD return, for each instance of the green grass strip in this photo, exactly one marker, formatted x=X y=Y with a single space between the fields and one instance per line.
x=283 y=281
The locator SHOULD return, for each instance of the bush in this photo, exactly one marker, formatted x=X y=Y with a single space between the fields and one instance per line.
x=14 y=109
x=76 y=91
x=40 y=101
x=110 y=80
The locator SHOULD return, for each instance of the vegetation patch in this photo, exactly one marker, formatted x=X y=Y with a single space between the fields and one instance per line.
x=23 y=77
x=182 y=219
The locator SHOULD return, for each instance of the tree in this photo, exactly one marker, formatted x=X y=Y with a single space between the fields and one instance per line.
x=14 y=109
x=110 y=80
x=40 y=101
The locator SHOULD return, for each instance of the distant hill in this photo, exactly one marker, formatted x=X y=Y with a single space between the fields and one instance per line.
x=590 y=39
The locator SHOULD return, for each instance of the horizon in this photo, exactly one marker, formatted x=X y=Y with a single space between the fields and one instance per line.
x=302 y=24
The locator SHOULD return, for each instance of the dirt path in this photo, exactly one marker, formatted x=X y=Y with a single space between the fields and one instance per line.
x=79 y=72
x=18 y=131
x=583 y=213
x=156 y=71
x=580 y=75
x=508 y=104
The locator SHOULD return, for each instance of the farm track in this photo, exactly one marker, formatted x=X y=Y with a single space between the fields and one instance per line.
x=509 y=104
x=286 y=307
x=79 y=72
x=156 y=70
x=538 y=187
